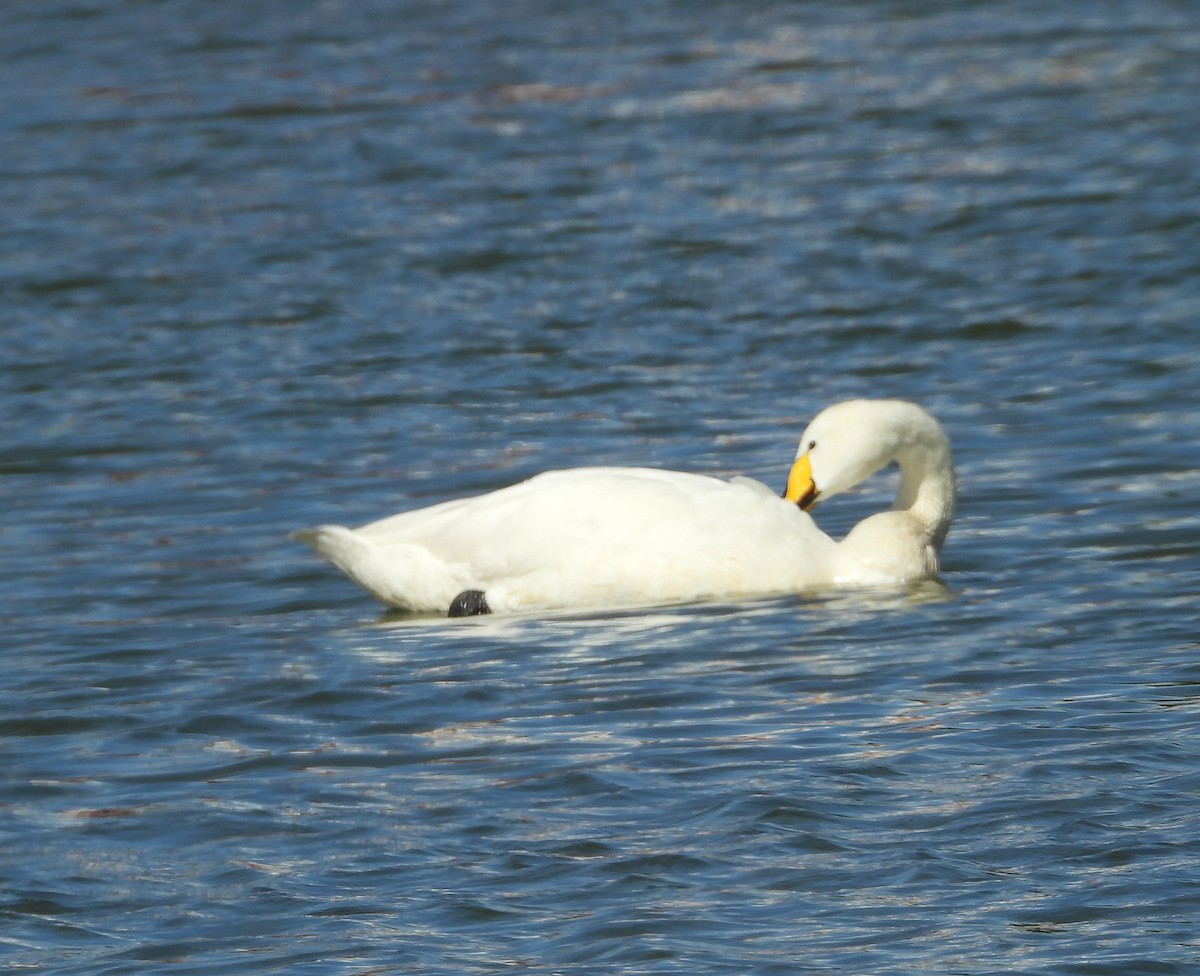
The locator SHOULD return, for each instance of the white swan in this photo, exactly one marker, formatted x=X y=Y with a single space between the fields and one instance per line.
x=606 y=537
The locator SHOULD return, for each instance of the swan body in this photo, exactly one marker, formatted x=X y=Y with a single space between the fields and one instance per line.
x=606 y=537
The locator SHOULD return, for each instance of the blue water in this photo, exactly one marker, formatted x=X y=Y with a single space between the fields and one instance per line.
x=273 y=264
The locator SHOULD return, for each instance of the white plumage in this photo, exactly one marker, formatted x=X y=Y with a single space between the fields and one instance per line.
x=609 y=537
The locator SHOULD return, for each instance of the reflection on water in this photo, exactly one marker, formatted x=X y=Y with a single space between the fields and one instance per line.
x=635 y=620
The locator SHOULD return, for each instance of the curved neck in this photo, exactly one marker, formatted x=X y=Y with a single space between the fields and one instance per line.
x=927 y=488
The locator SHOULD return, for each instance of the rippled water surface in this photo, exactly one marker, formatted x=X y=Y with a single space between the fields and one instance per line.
x=273 y=264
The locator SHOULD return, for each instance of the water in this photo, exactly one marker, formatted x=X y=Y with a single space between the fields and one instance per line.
x=271 y=264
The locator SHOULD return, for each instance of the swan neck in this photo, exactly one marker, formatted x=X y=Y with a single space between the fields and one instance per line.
x=927 y=489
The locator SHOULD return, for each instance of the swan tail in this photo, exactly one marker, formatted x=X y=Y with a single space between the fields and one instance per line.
x=403 y=576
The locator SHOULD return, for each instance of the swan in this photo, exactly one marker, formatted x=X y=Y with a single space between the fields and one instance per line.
x=612 y=537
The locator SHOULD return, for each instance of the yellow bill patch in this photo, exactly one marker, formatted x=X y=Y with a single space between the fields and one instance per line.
x=800 y=487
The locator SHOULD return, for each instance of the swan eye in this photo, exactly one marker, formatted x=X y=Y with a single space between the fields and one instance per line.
x=811 y=445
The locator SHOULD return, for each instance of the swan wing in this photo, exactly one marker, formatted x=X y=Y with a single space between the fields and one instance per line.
x=602 y=536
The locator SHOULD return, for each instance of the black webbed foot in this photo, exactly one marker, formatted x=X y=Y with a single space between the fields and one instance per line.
x=469 y=603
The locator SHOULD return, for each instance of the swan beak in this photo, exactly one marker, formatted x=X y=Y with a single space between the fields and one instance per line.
x=800 y=487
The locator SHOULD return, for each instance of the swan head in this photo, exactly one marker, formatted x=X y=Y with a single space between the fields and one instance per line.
x=847 y=443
